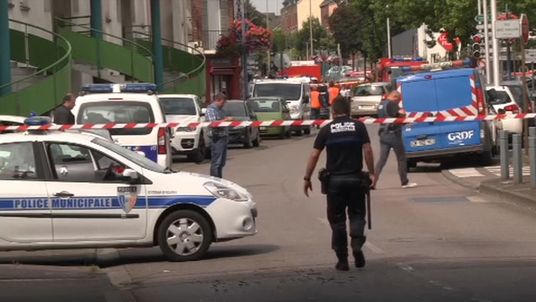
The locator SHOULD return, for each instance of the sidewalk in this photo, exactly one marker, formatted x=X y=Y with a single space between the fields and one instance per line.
x=487 y=180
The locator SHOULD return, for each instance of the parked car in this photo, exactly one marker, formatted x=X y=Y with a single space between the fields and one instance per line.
x=271 y=108
x=190 y=141
x=246 y=135
x=503 y=101
x=366 y=98
x=295 y=91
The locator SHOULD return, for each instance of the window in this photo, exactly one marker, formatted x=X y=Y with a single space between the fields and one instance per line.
x=117 y=112
x=17 y=161
x=178 y=106
x=265 y=105
x=284 y=90
x=75 y=163
x=236 y=109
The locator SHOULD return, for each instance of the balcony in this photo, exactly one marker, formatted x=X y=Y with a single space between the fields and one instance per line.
x=210 y=39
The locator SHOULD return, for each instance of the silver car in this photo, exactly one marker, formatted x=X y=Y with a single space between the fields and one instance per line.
x=366 y=98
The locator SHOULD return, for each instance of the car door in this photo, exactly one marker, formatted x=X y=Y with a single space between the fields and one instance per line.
x=24 y=205
x=91 y=201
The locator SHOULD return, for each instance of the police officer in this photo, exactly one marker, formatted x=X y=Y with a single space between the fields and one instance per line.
x=391 y=138
x=62 y=114
x=346 y=141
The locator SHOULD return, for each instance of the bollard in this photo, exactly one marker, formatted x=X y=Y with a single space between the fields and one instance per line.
x=532 y=155
x=517 y=159
x=503 y=145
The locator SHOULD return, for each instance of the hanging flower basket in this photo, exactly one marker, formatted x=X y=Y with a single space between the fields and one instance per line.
x=257 y=39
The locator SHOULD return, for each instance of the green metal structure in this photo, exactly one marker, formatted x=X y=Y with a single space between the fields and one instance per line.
x=42 y=90
x=125 y=56
x=189 y=68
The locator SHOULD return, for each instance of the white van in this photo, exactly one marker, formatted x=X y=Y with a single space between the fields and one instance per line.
x=297 y=94
x=123 y=104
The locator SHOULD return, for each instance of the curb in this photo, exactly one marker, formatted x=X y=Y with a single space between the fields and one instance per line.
x=497 y=190
x=459 y=181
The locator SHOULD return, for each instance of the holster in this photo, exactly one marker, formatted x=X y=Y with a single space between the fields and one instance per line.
x=323 y=176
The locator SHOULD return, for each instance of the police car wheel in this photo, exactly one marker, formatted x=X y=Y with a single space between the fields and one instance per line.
x=307 y=130
x=184 y=235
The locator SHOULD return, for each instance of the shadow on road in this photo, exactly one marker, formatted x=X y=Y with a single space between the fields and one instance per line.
x=127 y=256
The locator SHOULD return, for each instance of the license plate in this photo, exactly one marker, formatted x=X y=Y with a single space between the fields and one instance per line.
x=423 y=142
x=262 y=128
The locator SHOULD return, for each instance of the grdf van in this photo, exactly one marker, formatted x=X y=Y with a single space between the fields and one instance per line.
x=442 y=94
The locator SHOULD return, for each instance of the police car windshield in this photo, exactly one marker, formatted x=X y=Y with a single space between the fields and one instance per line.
x=139 y=159
x=288 y=91
x=178 y=106
x=498 y=97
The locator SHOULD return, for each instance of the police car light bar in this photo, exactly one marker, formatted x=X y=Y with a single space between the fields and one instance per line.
x=111 y=88
x=97 y=88
x=139 y=87
x=37 y=121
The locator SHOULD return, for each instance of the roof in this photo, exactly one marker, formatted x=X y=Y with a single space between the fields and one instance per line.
x=12 y=118
x=176 y=96
x=437 y=74
x=59 y=136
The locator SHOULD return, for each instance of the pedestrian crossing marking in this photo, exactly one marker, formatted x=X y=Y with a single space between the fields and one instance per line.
x=466 y=172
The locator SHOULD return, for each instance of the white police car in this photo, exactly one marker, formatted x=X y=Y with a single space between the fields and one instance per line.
x=74 y=190
x=127 y=104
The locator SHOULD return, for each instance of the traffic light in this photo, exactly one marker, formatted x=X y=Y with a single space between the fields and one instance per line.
x=477 y=45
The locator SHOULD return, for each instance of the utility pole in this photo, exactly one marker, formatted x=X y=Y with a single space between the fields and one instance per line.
x=245 y=51
x=311 y=27
x=496 y=72
x=268 y=66
x=486 y=42
x=5 y=54
x=388 y=38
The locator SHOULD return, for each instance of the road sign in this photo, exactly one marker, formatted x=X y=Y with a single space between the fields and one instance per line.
x=481 y=26
x=507 y=29
x=479 y=18
x=530 y=55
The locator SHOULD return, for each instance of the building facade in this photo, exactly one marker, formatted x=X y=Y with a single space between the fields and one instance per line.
x=306 y=9
x=289 y=18
x=327 y=7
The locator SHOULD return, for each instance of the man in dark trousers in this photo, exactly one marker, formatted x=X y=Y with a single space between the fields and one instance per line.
x=391 y=138
x=346 y=141
x=219 y=135
x=63 y=114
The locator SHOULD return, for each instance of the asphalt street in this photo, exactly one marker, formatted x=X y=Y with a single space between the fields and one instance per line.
x=437 y=242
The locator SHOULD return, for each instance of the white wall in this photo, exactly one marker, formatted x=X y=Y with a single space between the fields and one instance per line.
x=39 y=14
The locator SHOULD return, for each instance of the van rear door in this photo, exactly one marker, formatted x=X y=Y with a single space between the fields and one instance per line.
x=439 y=94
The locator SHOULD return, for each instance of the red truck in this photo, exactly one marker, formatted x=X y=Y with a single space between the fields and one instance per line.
x=303 y=69
x=388 y=68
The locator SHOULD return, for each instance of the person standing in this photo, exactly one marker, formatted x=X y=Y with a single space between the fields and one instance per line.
x=346 y=141
x=391 y=138
x=333 y=92
x=316 y=105
x=219 y=135
x=63 y=115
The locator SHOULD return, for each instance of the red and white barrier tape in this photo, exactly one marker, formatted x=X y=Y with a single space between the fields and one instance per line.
x=274 y=123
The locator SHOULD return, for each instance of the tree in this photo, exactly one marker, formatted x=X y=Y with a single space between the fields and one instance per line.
x=254 y=15
x=321 y=38
x=345 y=23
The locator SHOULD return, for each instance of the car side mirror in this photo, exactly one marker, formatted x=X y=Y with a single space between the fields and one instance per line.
x=130 y=175
x=306 y=99
x=203 y=111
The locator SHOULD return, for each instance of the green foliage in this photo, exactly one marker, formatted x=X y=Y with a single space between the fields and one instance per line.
x=322 y=40
x=345 y=23
x=254 y=15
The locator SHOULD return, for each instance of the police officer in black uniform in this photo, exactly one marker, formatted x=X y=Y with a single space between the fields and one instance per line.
x=346 y=141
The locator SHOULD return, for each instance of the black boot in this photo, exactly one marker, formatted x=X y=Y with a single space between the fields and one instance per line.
x=342 y=264
x=359 y=258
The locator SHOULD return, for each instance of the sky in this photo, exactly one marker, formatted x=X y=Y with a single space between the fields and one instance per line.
x=273 y=5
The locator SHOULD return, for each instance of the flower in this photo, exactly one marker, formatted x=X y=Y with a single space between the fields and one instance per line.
x=257 y=39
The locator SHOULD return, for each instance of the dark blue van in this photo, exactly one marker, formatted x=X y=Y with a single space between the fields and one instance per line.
x=456 y=92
